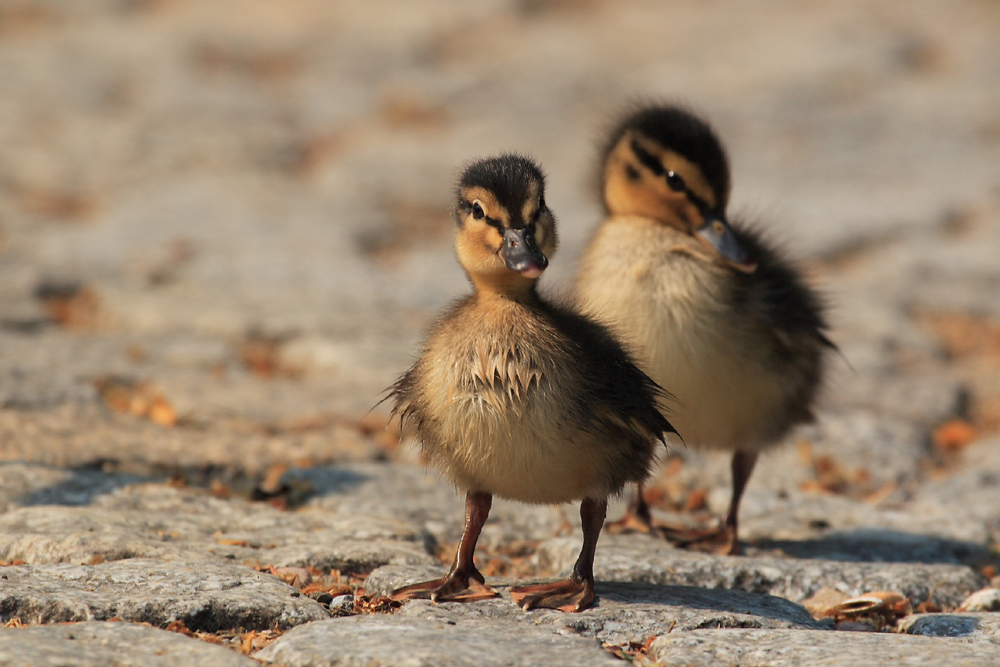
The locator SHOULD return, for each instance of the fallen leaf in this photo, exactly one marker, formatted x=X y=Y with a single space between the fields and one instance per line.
x=987 y=599
x=879 y=608
x=179 y=627
x=261 y=354
x=229 y=542
x=294 y=576
x=696 y=500
x=823 y=602
x=953 y=436
x=136 y=398
x=71 y=305
x=364 y=604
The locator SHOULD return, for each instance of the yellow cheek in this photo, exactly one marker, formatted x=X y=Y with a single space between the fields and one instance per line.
x=477 y=247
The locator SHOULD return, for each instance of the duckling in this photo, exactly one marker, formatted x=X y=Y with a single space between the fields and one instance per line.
x=709 y=308
x=517 y=397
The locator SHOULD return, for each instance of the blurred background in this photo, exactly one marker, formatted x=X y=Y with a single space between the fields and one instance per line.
x=224 y=225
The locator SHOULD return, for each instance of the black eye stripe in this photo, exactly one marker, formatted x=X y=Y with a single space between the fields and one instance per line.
x=647 y=159
x=492 y=222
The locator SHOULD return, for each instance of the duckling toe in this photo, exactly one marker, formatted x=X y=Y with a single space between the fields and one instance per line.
x=720 y=540
x=630 y=523
x=446 y=589
x=569 y=595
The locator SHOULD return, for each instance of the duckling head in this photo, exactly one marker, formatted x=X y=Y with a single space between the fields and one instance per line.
x=506 y=233
x=663 y=162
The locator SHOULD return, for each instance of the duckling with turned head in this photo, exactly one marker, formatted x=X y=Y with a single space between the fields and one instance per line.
x=520 y=398
x=709 y=308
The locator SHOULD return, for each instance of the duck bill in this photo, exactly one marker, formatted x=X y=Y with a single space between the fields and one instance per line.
x=716 y=234
x=521 y=253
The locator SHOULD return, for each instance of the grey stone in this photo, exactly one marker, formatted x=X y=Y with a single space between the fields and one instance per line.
x=424 y=498
x=981 y=626
x=626 y=612
x=975 y=489
x=203 y=595
x=154 y=521
x=415 y=642
x=791 y=648
x=640 y=558
x=95 y=644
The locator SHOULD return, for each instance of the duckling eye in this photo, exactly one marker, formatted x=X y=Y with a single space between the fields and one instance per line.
x=477 y=211
x=675 y=182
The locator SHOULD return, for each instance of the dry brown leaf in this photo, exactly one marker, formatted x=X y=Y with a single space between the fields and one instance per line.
x=229 y=542
x=179 y=627
x=880 y=496
x=696 y=500
x=57 y=204
x=878 y=608
x=271 y=484
x=261 y=354
x=953 y=436
x=136 y=398
x=964 y=334
x=294 y=576
x=71 y=305
x=251 y=642
x=823 y=602
x=364 y=604
x=220 y=489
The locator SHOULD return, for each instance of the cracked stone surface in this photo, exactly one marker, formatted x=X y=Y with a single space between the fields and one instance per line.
x=422 y=641
x=778 y=648
x=204 y=596
x=973 y=627
x=638 y=558
x=94 y=644
x=222 y=236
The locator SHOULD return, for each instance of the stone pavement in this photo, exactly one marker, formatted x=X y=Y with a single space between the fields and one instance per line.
x=224 y=228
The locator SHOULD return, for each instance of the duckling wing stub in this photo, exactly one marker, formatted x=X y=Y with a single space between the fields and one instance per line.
x=778 y=294
x=615 y=385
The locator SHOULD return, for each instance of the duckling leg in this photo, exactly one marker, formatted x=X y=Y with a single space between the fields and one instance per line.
x=722 y=539
x=577 y=592
x=637 y=519
x=742 y=466
x=464 y=583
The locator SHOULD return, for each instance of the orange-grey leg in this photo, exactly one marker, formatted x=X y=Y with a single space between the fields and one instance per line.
x=577 y=592
x=464 y=583
x=637 y=519
x=742 y=466
x=722 y=539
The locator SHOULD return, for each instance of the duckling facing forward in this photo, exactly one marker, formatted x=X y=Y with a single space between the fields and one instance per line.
x=519 y=398
x=709 y=309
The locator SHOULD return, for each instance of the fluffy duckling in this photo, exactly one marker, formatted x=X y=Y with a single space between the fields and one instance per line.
x=519 y=398
x=709 y=309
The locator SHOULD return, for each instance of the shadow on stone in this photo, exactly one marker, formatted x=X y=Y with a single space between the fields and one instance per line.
x=943 y=625
x=880 y=546
x=39 y=484
x=331 y=480
x=707 y=599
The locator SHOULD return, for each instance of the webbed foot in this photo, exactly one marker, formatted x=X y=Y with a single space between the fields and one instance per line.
x=451 y=588
x=570 y=595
